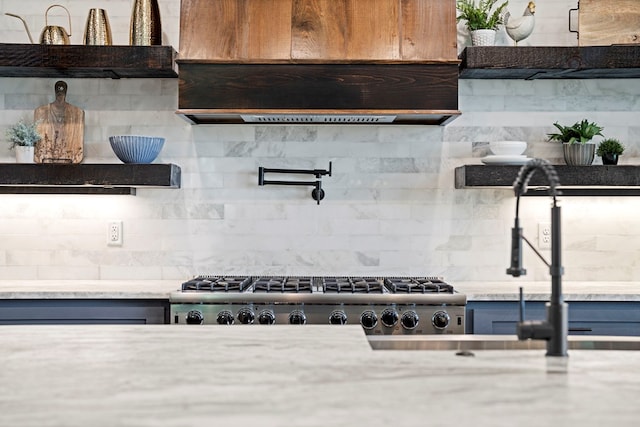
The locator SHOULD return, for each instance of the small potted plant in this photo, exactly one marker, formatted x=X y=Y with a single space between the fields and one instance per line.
x=23 y=137
x=609 y=149
x=481 y=22
x=577 y=147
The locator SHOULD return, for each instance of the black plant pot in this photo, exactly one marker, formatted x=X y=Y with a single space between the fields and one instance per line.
x=609 y=159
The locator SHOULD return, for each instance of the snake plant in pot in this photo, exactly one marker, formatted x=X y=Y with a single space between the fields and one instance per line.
x=577 y=145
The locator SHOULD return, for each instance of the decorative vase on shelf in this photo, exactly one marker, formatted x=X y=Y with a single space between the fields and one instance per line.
x=146 y=28
x=579 y=154
x=483 y=37
x=24 y=154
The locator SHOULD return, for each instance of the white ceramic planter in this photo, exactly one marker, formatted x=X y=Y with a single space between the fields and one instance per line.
x=483 y=37
x=24 y=154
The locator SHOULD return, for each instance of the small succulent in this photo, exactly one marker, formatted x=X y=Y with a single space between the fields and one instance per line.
x=579 y=133
x=480 y=17
x=24 y=134
x=609 y=146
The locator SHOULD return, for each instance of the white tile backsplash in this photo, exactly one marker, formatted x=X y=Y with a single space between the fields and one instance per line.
x=390 y=206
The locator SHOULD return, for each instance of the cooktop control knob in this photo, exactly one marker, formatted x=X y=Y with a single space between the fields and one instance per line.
x=225 y=317
x=440 y=319
x=194 y=317
x=409 y=319
x=266 y=317
x=297 y=317
x=368 y=319
x=389 y=317
x=246 y=316
x=338 y=317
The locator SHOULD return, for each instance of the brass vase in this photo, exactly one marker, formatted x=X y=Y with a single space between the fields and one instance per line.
x=97 y=31
x=146 y=29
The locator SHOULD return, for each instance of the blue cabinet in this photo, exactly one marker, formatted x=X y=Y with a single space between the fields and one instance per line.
x=83 y=311
x=585 y=317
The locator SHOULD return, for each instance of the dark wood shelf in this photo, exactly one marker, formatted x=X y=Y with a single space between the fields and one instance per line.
x=79 y=61
x=19 y=178
x=530 y=63
x=595 y=180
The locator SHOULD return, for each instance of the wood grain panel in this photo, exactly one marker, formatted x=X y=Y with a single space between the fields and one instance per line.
x=540 y=62
x=602 y=23
x=408 y=87
x=373 y=31
x=267 y=28
x=255 y=30
x=345 y=29
x=79 y=61
x=427 y=30
x=319 y=29
x=210 y=29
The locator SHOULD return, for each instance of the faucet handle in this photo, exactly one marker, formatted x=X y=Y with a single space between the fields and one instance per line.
x=521 y=301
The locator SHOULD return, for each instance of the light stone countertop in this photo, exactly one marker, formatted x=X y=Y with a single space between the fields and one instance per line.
x=178 y=375
x=160 y=289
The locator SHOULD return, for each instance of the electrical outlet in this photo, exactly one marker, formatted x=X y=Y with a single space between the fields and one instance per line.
x=114 y=233
x=544 y=235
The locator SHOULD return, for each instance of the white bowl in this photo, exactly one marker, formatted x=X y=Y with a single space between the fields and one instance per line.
x=508 y=148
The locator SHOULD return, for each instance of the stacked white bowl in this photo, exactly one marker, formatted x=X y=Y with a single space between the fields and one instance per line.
x=508 y=148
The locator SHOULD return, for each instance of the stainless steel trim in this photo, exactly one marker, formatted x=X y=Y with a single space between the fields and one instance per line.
x=317 y=298
x=496 y=342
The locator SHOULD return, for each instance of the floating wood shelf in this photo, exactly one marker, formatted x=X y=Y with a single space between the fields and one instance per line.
x=595 y=180
x=79 y=61
x=50 y=178
x=530 y=63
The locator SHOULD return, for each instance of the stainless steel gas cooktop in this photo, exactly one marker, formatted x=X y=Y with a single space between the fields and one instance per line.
x=382 y=305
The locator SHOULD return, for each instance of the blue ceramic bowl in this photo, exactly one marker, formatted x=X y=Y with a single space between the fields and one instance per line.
x=136 y=148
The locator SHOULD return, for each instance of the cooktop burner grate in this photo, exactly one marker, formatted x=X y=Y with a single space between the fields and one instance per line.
x=283 y=284
x=424 y=285
x=217 y=284
x=352 y=285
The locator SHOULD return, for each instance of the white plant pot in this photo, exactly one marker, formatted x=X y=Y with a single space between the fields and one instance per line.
x=24 y=154
x=483 y=37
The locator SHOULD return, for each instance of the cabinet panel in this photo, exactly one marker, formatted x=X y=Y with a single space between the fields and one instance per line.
x=585 y=318
x=83 y=311
x=315 y=30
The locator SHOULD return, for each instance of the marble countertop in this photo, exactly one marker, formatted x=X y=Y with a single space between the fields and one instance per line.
x=160 y=289
x=178 y=375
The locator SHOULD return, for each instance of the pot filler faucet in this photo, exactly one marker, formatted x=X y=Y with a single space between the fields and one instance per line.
x=555 y=329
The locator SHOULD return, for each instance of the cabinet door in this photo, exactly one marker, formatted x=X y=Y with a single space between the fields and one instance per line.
x=83 y=311
x=585 y=318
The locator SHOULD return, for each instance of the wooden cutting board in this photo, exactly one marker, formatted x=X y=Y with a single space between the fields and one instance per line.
x=61 y=126
x=603 y=23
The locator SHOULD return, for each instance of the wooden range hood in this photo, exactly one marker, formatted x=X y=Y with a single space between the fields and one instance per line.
x=318 y=61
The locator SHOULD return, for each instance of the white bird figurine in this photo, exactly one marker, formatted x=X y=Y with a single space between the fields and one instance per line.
x=521 y=27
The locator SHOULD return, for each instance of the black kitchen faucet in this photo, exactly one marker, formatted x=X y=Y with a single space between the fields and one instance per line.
x=555 y=329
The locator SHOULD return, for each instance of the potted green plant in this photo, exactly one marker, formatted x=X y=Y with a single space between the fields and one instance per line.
x=23 y=137
x=609 y=149
x=481 y=22
x=577 y=147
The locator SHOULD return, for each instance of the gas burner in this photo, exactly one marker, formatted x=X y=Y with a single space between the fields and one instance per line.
x=351 y=285
x=283 y=284
x=423 y=285
x=217 y=284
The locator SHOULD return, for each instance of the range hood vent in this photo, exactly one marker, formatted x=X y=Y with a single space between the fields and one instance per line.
x=316 y=118
x=321 y=62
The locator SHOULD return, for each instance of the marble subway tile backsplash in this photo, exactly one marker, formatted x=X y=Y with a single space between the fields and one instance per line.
x=390 y=205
